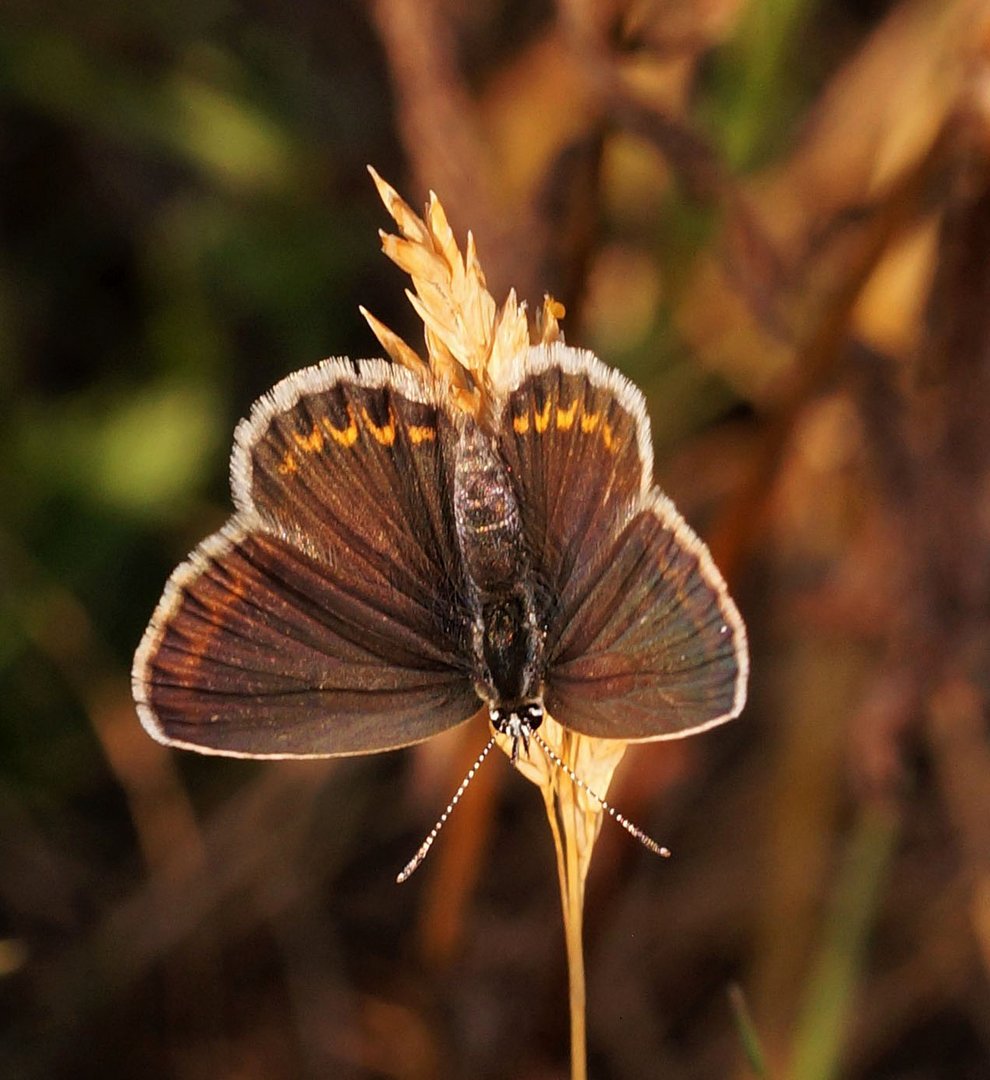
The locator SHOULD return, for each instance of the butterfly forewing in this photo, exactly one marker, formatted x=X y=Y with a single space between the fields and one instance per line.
x=353 y=471
x=574 y=436
x=326 y=617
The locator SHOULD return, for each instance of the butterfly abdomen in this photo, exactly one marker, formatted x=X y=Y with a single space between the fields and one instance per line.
x=507 y=638
x=486 y=515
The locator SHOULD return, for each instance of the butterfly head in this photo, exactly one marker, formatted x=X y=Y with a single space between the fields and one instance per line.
x=518 y=722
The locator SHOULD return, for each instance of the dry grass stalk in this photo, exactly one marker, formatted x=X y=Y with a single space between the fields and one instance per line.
x=575 y=819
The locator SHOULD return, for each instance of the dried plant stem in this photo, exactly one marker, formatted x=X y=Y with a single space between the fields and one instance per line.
x=573 y=773
x=573 y=930
x=573 y=856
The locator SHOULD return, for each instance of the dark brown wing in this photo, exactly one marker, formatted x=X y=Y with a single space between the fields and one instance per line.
x=575 y=437
x=327 y=617
x=654 y=647
x=643 y=640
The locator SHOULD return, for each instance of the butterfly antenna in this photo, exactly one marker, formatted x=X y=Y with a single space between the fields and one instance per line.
x=633 y=830
x=407 y=871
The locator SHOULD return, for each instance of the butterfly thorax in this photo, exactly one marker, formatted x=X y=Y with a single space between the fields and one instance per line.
x=507 y=637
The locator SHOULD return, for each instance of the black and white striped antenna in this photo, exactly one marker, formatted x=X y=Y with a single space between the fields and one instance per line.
x=416 y=861
x=424 y=849
x=633 y=830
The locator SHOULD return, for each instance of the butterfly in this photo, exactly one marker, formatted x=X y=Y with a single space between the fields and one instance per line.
x=396 y=565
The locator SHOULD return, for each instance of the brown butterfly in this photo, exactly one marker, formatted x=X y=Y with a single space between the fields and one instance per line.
x=396 y=563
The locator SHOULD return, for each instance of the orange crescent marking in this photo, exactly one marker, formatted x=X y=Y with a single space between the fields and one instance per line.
x=541 y=420
x=385 y=434
x=343 y=436
x=520 y=424
x=421 y=433
x=565 y=417
x=311 y=443
x=589 y=422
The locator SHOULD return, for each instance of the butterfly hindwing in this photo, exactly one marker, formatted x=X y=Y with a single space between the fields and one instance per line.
x=657 y=648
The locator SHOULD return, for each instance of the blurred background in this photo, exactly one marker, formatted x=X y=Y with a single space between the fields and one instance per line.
x=775 y=217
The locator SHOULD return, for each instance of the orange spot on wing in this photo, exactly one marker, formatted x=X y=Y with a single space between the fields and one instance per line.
x=288 y=464
x=541 y=420
x=384 y=434
x=565 y=417
x=607 y=437
x=311 y=443
x=200 y=642
x=520 y=424
x=346 y=436
x=590 y=421
x=419 y=433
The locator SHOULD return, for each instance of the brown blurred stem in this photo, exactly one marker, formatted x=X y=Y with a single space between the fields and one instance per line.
x=441 y=133
x=818 y=355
